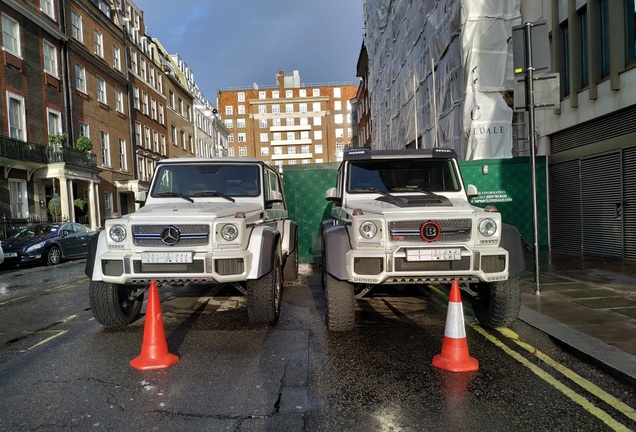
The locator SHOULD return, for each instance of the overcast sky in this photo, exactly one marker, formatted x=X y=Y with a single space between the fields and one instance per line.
x=234 y=43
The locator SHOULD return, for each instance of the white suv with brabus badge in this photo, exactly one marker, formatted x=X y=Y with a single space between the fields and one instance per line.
x=404 y=217
x=204 y=221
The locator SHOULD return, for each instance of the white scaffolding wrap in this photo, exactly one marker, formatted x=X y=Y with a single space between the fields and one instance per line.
x=436 y=62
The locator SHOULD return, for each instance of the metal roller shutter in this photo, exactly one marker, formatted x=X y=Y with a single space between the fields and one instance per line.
x=601 y=196
x=565 y=207
x=629 y=202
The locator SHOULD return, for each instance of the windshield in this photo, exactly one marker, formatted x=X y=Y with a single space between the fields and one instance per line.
x=229 y=180
x=399 y=175
x=37 y=231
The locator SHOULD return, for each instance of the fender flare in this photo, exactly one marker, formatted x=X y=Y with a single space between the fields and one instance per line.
x=263 y=245
x=96 y=247
x=335 y=245
x=511 y=241
x=290 y=236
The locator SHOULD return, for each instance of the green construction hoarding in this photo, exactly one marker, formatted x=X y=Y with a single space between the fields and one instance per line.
x=504 y=183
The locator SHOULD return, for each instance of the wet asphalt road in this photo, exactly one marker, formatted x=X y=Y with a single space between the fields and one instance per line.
x=60 y=370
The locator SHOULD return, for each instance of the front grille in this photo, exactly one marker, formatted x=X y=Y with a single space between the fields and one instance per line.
x=402 y=265
x=112 y=267
x=452 y=230
x=493 y=263
x=229 y=266
x=367 y=266
x=193 y=267
x=150 y=235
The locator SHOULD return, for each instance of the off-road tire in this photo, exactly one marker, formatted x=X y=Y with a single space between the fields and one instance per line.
x=340 y=304
x=54 y=256
x=264 y=296
x=497 y=303
x=111 y=304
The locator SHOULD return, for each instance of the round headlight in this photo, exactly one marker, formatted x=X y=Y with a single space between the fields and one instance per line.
x=117 y=233
x=368 y=229
x=487 y=227
x=229 y=232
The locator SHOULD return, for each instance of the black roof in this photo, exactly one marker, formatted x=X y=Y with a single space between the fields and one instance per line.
x=357 y=153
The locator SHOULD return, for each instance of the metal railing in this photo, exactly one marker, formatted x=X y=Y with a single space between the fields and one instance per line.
x=12 y=148
x=10 y=226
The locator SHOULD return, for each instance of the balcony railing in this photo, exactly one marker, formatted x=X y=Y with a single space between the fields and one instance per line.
x=11 y=148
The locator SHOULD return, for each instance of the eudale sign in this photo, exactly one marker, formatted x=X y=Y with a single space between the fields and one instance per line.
x=492 y=196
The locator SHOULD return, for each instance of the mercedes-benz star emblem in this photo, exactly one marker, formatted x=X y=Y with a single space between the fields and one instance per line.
x=430 y=231
x=170 y=235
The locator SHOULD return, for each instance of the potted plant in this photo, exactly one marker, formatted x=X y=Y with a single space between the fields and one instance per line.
x=57 y=140
x=84 y=144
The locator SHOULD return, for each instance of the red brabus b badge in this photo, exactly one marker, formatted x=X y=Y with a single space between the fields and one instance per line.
x=430 y=231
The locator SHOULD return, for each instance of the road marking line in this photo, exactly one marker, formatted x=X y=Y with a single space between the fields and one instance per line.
x=12 y=300
x=574 y=396
x=587 y=385
x=59 y=288
x=42 y=342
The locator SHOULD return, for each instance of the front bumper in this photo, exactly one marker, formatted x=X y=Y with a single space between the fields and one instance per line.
x=398 y=267
x=205 y=268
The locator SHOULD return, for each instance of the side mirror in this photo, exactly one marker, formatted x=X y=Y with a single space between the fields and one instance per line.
x=274 y=197
x=331 y=194
x=471 y=192
x=141 y=197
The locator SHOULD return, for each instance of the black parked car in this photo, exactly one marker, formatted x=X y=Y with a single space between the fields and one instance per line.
x=47 y=243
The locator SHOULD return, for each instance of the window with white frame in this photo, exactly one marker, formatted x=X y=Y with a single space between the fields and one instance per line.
x=48 y=8
x=264 y=151
x=315 y=92
x=105 y=147
x=318 y=148
x=18 y=201
x=278 y=150
x=337 y=105
x=305 y=161
x=319 y=160
x=119 y=100
x=304 y=121
x=275 y=94
x=276 y=122
x=80 y=78
x=304 y=149
x=241 y=96
x=337 y=92
x=98 y=43
x=302 y=93
x=162 y=140
x=290 y=121
x=144 y=69
x=153 y=77
x=339 y=133
x=229 y=110
x=54 y=121
x=11 y=36
x=338 y=119
x=173 y=134
x=241 y=109
x=141 y=168
x=289 y=108
x=316 y=106
x=153 y=108
x=161 y=114
x=228 y=124
x=17 y=117
x=339 y=146
x=262 y=95
x=291 y=136
x=123 y=163
x=291 y=162
x=108 y=203
x=147 y=138
x=302 y=107
x=84 y=129
x=138 y=134
x=133 y=60
x=116 y=57
x=289 y=93
x=230 y=138
x=155 y=141
x=263 y=137
x=230 y=151
x=144 y=103
x=242 y=137
x=318 y=135
x=242 y=151
x=262 y=109
x=136 y=99
x=317 y=121
x=77 y=28
x=304 y=135
x=276 y=136
x=50 y=58
x=275 y=109
x=101 y=90
x=262 y=123
x=240 y=123
x=149 y=168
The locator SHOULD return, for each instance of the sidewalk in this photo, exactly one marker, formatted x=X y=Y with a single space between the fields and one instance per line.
x=588 y=304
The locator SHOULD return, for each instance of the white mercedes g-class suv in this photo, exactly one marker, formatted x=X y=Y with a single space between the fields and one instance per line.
x=404 y=217
x=203 y=221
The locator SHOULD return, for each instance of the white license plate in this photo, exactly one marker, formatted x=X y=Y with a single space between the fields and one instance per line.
x=10 y=254
x=166 y=257
x=451 y=254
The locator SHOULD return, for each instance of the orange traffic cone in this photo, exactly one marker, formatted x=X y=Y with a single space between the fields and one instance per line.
x=154 y=349
x=454 y=356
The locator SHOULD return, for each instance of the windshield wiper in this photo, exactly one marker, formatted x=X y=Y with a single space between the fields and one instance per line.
x=394 y=199
x=211 y=193
x=174 y=194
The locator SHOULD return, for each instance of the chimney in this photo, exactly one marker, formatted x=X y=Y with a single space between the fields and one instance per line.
x=280 y=79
